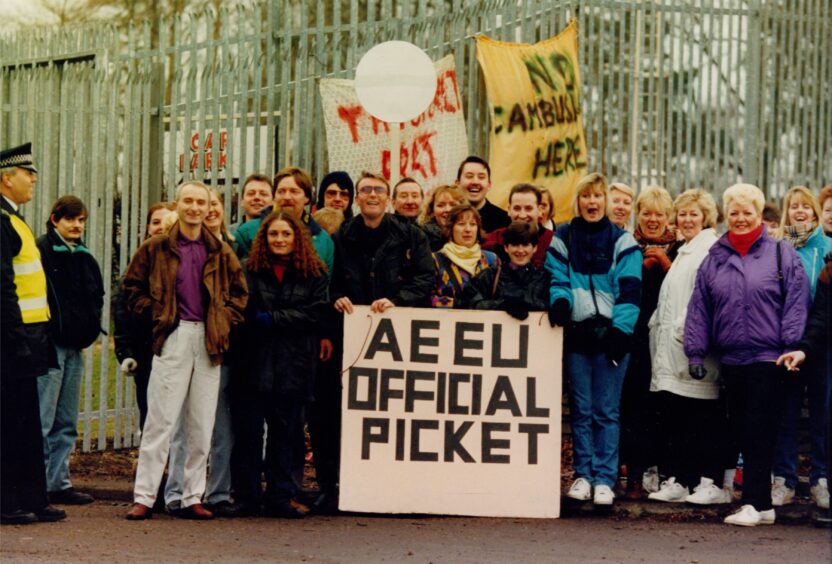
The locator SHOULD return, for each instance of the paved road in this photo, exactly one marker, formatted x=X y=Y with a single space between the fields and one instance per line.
x=100 y=533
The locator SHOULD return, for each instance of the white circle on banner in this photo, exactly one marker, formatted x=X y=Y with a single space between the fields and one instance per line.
x=395 y=81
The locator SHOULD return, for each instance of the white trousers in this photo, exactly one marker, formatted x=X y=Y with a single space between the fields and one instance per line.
x=182 y=381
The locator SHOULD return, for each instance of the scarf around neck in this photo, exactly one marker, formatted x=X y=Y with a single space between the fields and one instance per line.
x=742 y=243
x=797 y=235
x=666 y=240
x=466 y=258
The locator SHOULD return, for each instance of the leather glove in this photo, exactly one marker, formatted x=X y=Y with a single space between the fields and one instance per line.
x=616 y=345
x=517 y=311
x=515 y=306
x=697 y=371
x=128 y=366
x=264 y=319
x=559 y=313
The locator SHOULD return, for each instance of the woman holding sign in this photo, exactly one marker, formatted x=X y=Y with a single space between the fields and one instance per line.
x=517 y=287
x=461 y=258
x=595 y=294
x=287 y=285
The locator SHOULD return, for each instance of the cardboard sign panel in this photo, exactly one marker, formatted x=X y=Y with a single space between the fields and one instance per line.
x=455 y=412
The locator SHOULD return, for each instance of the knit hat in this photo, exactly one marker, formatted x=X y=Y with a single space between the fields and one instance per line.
x=344 y=182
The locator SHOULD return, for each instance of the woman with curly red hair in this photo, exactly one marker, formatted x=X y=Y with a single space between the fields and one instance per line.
x=276 y=362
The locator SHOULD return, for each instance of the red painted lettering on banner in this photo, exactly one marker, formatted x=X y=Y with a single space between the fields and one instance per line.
x=419 y=158
x=350 y=115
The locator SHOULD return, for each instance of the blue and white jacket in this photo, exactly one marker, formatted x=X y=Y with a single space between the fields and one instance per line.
x=600 y=259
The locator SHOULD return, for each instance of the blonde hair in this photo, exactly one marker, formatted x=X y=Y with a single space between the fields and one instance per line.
x=427 y=206
x=592 y=181
x=329 y=219
x=747 y=194
x=700 y=198
x=655 y=198
x=798 y=192
x=623 y=188
x=168 y=221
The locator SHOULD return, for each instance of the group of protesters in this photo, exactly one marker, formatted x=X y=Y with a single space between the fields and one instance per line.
x=684 y=350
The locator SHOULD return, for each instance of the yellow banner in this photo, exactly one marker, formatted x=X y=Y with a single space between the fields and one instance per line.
x=537 y=129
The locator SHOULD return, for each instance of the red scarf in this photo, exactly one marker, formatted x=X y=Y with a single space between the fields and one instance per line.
x=742 y=243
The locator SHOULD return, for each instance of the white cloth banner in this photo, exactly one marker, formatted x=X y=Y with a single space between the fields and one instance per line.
x=432 y=145
x=456 y=413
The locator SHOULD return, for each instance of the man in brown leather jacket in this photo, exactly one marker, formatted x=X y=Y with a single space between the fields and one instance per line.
x=189 y=289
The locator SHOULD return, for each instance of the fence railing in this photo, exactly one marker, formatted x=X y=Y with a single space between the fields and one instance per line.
x=694 y=93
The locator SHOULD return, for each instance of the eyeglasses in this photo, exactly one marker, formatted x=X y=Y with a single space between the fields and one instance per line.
x=334 y=193
x=370 y=189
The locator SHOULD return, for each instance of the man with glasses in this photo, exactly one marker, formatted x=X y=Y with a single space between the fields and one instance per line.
x=380 y=261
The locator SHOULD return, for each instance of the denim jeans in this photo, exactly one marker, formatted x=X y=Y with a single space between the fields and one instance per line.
x=596 y=399
x=59 y=394
x=218 y=486
x=785 y=455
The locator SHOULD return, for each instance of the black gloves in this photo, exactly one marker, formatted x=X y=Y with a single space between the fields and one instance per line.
x=616 y=345
x=515 y=306
x=697 y=371
x=559 y=313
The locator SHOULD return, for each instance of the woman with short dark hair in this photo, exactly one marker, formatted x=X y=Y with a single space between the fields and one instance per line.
x=517 y=287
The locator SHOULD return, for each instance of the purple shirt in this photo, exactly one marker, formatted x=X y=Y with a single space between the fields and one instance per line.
x=189 y=295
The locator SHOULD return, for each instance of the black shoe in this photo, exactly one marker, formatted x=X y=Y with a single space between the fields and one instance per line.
x=49 y=514
x=224 y=509
x=174 y=508
x=70 y=496
x=283 y=510
x=18 y=517
x=326 y=503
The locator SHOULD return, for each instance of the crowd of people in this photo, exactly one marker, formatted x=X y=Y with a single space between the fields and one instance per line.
x=684 y=350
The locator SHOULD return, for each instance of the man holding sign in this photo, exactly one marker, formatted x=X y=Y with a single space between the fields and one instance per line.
x=379 y=260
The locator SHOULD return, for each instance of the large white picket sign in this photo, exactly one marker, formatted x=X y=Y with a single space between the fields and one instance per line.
x=454 y=412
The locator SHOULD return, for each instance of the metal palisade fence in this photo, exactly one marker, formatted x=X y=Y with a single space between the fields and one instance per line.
x=680 y=93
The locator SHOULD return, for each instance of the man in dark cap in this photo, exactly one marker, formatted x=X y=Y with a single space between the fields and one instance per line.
x=26 y=350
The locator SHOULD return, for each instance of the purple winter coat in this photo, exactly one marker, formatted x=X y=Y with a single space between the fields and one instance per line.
x=737 y=310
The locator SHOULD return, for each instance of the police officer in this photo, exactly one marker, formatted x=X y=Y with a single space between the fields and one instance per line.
x=26 y=350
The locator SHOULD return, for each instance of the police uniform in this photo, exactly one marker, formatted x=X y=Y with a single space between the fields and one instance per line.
x=26 y=352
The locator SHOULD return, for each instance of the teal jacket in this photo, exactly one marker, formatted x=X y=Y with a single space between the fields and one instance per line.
x=811 y=255
x=324 y=246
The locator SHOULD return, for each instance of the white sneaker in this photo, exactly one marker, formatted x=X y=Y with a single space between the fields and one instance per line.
x=820 y=493
x=766 y=517
x=780 y=493
x=580 y=490
x=670 y=491
x=650 y=480
x=603 y=495
x=745 y=517
x=708 y=493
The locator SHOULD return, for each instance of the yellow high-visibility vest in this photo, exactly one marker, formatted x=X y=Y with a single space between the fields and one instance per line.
x=29 y=276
